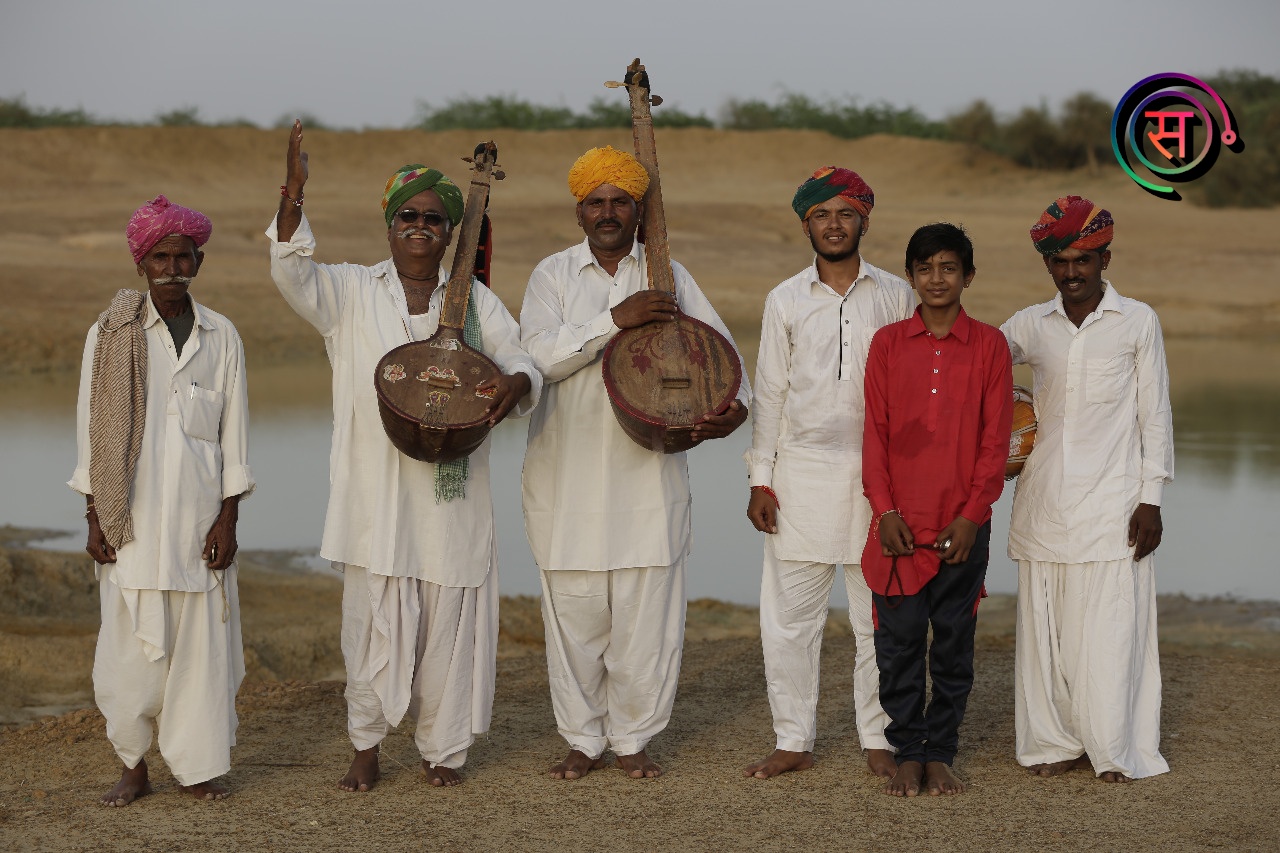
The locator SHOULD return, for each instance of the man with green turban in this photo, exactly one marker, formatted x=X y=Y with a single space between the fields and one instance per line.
x=805 y=465
x=414 y=540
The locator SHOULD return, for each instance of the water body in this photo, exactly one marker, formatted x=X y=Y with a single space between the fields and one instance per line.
x=1218 y=514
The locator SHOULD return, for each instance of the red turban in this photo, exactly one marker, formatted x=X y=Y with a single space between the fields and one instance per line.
x=829 y=182
x=160 y=218
x=1073 y=222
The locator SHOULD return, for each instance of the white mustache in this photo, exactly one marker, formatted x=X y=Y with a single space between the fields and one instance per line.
x=172 y=279
x=416 y=232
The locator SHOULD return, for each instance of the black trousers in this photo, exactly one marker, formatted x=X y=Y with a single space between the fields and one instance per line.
x=949 y=603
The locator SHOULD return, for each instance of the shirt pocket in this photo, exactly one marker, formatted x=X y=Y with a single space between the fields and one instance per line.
x=1106 y=378
x=201 y=411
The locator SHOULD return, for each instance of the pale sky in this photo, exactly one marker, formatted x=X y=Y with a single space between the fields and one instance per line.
x=368 y=63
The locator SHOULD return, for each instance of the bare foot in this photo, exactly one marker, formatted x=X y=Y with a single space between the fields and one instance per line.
x=781 y=761
x=906 y=781
x=441 y=777
x=639 y=766
x=576 y=765
x=938 y=780
x=206 y=791
x=882 y=763
x=1113 y=776
x=133 y=784
x=362 y=775
x=1057 y=768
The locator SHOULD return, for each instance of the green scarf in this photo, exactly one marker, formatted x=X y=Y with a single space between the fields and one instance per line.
x=451 y=477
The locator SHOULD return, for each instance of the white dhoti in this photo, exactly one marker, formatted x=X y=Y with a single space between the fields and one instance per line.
x=170 y=656
x=614 y=640
x=419 y=649
x=1087 y=666
x=794 y=600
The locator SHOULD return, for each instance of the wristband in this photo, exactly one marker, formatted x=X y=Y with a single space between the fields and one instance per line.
x=284 y=191
x=770 y=492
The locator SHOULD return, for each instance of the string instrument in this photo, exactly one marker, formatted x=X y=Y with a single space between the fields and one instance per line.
x=428 y=395
x=1023 y=437
x=662 y=377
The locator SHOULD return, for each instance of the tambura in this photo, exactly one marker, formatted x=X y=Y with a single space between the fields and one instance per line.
x=1023 y=437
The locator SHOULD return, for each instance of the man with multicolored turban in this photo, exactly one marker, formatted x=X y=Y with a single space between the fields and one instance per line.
x=415 y=540
x=805 y=465
x=608 y=520
x=1086 y=513
x=162 y=438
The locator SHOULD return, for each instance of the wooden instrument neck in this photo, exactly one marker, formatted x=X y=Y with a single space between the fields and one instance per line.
x=657 y=252
x=453 y=312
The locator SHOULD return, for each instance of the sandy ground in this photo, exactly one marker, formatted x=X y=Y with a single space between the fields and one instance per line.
x=67 y=195
x=1221 y=685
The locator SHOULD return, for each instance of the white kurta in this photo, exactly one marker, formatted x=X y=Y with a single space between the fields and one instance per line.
x=594 y=499
x=1087 y=669
x=169 y=649
x=806 y=441
x=382 y=510
x=807 y=446
x=195 y=449
x=1104 y=442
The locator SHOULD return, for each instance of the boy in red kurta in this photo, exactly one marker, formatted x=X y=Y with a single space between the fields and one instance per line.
x=939 y=410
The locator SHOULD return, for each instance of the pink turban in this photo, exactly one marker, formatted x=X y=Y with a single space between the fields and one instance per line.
x=160 y=218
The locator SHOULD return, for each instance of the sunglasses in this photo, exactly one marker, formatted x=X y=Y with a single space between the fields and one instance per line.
x=429 y=218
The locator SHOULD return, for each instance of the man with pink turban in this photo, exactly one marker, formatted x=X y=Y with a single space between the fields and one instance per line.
x=1086 y=513
x=162 y=438
x=608 y=520
x=805 y=465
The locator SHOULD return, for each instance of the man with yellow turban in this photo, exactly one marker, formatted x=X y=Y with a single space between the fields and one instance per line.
x=805 y=465
x=608 y=520
x=162 y=437
x=1086 y=513
x=415 y=541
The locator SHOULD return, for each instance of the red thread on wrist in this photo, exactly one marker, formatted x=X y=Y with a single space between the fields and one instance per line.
x=284 y=192
x=770 y=492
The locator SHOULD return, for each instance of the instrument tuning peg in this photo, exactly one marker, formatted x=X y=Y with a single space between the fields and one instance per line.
x=468 y=159
x=656 y=100
x=614 y=84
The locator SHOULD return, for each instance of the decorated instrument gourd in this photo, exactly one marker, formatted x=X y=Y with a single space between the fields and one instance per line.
x=1023 y=438
x=428 y=391
x=662 y=377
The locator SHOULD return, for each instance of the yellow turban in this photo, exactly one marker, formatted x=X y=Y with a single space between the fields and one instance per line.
x=608 y=165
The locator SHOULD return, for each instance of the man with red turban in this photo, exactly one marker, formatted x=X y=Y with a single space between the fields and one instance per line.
x=162 y=436
x=608 y=520
x=805 y=465
x=1086 y=513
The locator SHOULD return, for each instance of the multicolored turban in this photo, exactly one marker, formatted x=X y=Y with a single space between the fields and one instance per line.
x=160 y=218
x=608 y=165
x=829 y=182
x=410 y=180
x=1072 y=222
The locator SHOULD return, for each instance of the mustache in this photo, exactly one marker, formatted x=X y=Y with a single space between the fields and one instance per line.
x=614 y=222
x=416 y=232
x=172 y=279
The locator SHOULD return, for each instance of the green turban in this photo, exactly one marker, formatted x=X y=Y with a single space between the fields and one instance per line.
x=410 y=180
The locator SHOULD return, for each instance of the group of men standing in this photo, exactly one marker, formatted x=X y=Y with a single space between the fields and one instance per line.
x=163 y=465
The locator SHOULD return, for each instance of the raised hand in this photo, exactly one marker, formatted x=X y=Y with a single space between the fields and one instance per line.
x=290 y=215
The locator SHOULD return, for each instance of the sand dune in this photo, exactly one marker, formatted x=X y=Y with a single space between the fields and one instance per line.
x=68 y=193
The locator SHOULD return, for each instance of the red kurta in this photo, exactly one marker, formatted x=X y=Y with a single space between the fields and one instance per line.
x=939 y=414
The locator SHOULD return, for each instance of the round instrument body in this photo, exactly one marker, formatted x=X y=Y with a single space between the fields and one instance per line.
x=428 y=401
x=1023 y=437
x=662 y=377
